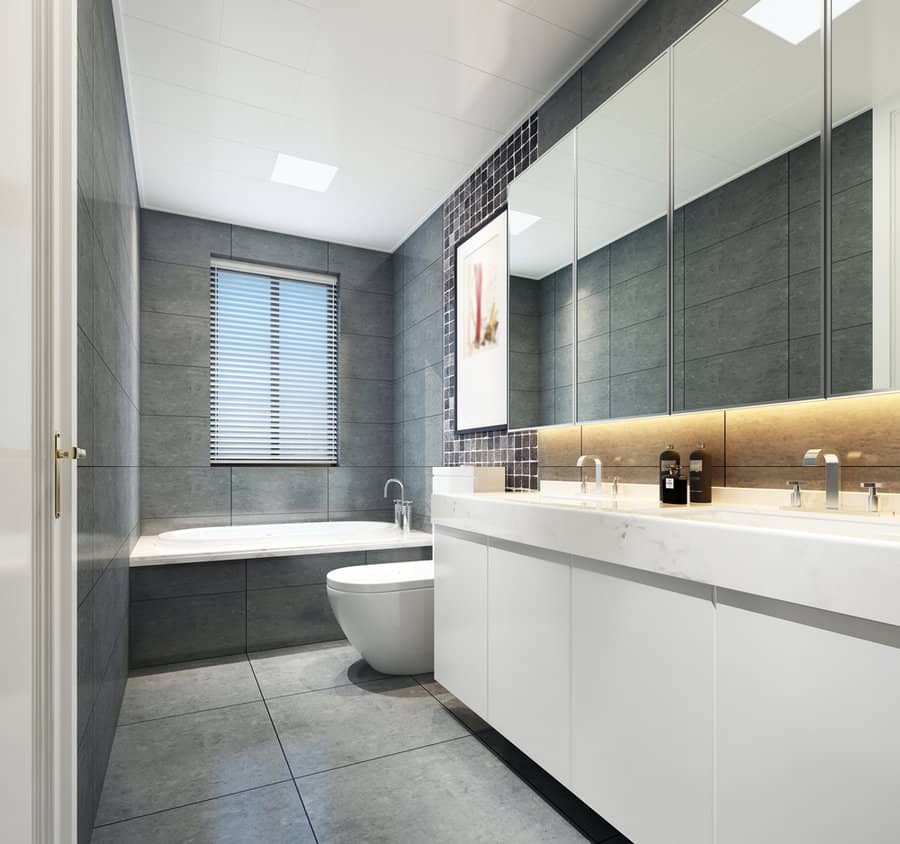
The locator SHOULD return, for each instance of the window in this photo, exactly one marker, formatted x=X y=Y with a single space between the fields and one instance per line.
x=273 y=365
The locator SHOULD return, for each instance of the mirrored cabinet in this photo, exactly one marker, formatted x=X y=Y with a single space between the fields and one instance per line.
x=622 y=278
x=729 y=251
x=541 y=311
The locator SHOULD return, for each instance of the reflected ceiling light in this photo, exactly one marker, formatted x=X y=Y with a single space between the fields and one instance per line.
x=300 y=173
x=794 y=20
x=519 y=221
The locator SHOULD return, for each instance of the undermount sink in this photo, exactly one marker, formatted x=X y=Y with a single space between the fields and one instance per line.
x=862 y=525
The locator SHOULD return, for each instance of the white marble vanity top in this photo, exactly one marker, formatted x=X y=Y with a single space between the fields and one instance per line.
x=846 y=562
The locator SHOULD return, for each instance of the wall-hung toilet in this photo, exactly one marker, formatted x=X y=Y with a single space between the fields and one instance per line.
x=386 y=611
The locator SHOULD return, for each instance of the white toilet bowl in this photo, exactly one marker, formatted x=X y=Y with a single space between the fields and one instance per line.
x=386 y=610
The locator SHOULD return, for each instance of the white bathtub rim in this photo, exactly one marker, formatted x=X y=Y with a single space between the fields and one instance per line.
x=150 y=551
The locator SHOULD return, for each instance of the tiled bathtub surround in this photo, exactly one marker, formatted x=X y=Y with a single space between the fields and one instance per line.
x=198 y=610
x=178 y=486
x=750 y=447
x=108 y=394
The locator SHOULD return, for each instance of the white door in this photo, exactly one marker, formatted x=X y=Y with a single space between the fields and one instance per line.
x=460 y=617
x=37 y=370
x=528 y=652
x=642 y=702
x=808 y=733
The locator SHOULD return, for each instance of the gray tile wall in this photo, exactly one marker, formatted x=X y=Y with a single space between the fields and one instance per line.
x=179 y=488
x=748 y=280
x=200 y=610
x=418 y=363
x=108 y=394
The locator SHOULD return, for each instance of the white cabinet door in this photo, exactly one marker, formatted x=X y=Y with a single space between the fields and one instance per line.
x=642 y=703
x=460 y=617
x=808 y=727
x=528 y=653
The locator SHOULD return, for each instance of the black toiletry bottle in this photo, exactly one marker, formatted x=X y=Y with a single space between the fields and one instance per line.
x=669 y=461
x=701 y=485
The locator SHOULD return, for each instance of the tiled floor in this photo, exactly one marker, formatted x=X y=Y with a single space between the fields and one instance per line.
x=309 y=745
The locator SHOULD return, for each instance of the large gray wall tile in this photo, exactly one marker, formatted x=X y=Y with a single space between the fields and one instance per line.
x=560 y=113
x=366 y=444
x=279 y=489
x=744 y=377
x=174 y=288
x=185 y=579
x=274 y=248
x=638 y=393
x=180 y=629
x=174 y=339
x=356 y=489
x=300 y=570
x=366 y=357
x=177 y=491
x=168 y=390
x=366 y=313
x=292 y=615
x=361 y=269
x=182 y=240
x=174 y=441
x=363 y=400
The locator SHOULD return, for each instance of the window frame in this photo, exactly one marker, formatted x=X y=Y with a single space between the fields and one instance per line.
x=275 y=274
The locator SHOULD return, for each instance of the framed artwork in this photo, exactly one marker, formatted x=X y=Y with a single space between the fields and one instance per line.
x=482 y=327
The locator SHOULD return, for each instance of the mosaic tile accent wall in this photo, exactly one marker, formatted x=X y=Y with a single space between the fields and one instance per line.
x=483 y=193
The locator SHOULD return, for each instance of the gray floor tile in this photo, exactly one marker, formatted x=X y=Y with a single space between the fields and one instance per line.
x=326 y=729
x=269 y=815
x=307 y=668
x=188 y=687
x=164 y=764
x=456 y=791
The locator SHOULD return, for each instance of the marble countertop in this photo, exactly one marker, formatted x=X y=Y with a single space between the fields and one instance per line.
x=149 y=551
x=852 y=569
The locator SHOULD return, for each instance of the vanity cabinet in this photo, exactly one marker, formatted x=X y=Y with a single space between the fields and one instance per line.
x=642 y=708
x=460 y=617
x=529 y=597
x=807 y=732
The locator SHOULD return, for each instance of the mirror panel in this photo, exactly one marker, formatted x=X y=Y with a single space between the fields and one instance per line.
x=541 y=311
x=865 y=229
x=747 y=223
x=622 y=278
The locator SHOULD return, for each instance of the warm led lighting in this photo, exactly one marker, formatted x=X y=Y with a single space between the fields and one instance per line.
x=519 y=221
x=300 y=173
x=794 y=20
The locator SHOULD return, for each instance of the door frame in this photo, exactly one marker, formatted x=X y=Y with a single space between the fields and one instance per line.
x=55 y=369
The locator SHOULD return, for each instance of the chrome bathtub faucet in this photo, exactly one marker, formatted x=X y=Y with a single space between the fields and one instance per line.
x=402 y=506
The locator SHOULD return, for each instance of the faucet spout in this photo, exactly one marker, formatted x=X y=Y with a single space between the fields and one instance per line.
x=390 y=481
x=832 y=474
x=598 y=472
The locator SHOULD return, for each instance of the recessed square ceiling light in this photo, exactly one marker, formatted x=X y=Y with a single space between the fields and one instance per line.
x=794 y=20
x=519 y=221
x=300 y=173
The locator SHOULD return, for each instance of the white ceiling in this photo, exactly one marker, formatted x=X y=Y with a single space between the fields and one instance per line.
x=405 y=97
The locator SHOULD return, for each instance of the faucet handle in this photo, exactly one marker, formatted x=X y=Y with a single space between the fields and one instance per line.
x=795 y=492
x=872 y=499
x=871 y=485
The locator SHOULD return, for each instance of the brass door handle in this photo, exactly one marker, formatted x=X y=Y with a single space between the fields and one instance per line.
x=71 y=453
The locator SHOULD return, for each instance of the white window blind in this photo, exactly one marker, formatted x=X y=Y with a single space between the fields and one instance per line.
x=273 y=365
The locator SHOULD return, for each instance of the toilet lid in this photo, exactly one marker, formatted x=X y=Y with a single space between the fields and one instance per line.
x=383 y=577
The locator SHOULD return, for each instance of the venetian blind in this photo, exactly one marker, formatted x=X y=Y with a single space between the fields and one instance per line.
x=273 y=365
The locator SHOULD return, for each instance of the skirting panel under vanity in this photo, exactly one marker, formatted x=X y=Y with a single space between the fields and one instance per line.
x=188 y=611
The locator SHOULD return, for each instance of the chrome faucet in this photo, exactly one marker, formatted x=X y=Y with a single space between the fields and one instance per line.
x=832 y=474
x=598 y=472
x=402 y=507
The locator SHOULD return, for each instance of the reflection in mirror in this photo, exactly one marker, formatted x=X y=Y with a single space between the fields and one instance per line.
x=622 y=279
x=747 y=190
x=541 y=313
x=865 y=227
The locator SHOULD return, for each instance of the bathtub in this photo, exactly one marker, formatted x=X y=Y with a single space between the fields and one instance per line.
x=271 y=540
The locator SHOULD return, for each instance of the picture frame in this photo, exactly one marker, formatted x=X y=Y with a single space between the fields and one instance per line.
x=482 y=326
